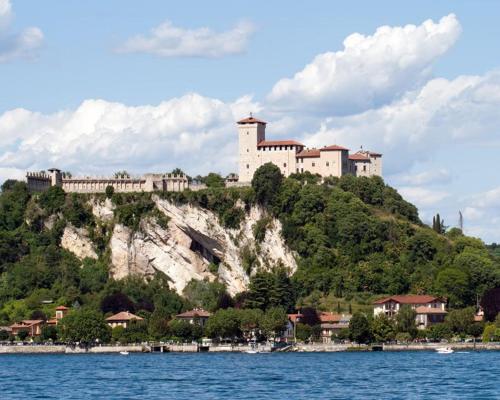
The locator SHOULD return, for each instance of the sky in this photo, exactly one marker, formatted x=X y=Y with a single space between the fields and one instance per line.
x=94 y=87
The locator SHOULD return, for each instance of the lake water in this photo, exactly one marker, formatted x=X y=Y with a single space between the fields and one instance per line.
x=418 y=375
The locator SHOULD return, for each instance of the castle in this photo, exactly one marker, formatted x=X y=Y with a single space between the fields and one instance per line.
x=254 y=150
x=293 y=157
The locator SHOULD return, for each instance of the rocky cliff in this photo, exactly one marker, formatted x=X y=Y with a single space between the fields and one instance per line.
x=192 y=245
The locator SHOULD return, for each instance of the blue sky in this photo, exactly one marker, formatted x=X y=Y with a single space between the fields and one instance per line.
x=92 y=87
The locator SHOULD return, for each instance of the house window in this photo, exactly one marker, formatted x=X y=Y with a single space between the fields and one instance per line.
x=297 y=170
x=284 y=165
x=302 y=170
x=247 y=150
x=247 y=133
x=281 y=147
x=364 y=168
x=248 y=166
x=313 y=164
x=327 y=164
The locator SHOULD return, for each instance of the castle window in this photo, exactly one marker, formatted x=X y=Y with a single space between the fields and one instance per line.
x=327 y=164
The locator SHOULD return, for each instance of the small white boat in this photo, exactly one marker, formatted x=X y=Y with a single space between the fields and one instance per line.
x=251 y=351
x=444 y=350
x=124 y=353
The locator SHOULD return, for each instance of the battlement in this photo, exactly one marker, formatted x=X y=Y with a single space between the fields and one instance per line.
x=40 y=181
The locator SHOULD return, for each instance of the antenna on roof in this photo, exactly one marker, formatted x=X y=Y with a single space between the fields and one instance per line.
x=361 y=147
x=251 y=114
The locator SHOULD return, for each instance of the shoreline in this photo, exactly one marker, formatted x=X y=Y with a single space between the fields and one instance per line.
x=191 y=348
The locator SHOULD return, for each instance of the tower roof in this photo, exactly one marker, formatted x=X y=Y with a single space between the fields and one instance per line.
x=251 y=120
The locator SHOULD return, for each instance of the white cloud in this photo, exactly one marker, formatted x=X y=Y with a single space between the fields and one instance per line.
x=430 y=177
x=422 y=197
x=193 y=132
x=16 y=45
x=443 y=112
x=167 y=40
x=472 y=213
x=369 y=71
x=5 y=13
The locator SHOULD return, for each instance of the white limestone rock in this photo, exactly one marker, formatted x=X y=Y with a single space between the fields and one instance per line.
x=77 y=241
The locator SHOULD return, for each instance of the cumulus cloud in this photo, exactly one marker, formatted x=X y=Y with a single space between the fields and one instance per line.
x=430 y=177
x=422 y=196
x=167 y=40
x=441 y=113
x=13 y=46
x=482 y=215
x=369 y=71
x=193 y=132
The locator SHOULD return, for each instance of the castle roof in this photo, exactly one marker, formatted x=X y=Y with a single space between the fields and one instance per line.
x=251 y=120
x=265 y=143
x=309 y=153
x=358 y=157
x=333 y=147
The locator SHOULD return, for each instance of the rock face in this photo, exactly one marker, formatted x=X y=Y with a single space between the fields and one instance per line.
x=77 y=241
x=193 y=246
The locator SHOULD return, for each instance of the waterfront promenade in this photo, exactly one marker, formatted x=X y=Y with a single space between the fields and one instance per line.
x=194 y=348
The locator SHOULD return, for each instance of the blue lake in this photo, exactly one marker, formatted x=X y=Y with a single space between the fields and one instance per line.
x=419 y=375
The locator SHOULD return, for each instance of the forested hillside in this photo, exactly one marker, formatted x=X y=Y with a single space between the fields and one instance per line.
x=355 y=239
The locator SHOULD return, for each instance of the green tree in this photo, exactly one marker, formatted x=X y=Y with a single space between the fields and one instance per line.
x=266 y=183
x=461 y=320
x=22 y=335
x=4 y=335
x=49 y=332
x=303 y=332
x=383 y=328
x=84 y=326
x=213 y=180
x=224 y=324
x=207 y=295
x=405 y=321
x=110 y=191
x=250 y=321
x=440 y=331
x=359 y=328
x=454 y=284
x=274 y=322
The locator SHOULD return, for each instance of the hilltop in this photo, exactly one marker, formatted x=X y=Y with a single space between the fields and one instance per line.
x=283 y=241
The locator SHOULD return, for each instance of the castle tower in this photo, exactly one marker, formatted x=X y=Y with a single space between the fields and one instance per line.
x=251 y=131
x=55 y=177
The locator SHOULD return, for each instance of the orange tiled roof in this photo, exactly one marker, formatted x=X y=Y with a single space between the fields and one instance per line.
x=333 y=147
x=194 y=314
x=429 y=310
x=329 y=317
x=409 y=299
x=61 y=308
x=265 y=143
x=308 y=153
x=294 y=317
x=124 y=316
x=358 y=157
x=251 y=120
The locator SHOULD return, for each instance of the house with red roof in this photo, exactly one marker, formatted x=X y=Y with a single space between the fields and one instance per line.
x=429 y=309
x=123 y=318
x=196 y=316
x=292 y=156
x=32 y=326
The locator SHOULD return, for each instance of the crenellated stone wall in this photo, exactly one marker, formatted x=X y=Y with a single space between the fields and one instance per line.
x=40 y=181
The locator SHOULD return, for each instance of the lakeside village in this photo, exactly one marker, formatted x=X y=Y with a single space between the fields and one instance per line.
x=249 y=330
x=409 y=320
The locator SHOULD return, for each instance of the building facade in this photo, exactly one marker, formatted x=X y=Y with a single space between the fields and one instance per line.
x=292 y=156
x=429 y=309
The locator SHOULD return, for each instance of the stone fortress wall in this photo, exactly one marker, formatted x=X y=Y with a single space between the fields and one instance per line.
x=40 y=181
